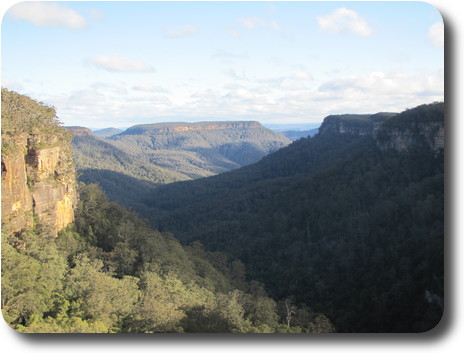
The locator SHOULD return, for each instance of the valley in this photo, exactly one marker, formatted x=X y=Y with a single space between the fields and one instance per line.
x=345 y=228
x=363 y=199
x=229 y=167
x=155 y=154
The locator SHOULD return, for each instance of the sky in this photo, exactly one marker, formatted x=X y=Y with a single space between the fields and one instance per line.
x=119 y=64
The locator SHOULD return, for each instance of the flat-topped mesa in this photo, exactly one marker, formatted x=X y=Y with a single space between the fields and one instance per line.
x=355 y=124
x=147 y=129
x=79 y=130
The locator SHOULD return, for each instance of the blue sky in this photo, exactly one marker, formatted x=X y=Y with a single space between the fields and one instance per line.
x=119 y=64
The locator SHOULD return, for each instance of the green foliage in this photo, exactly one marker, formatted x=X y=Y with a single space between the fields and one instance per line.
x=23 y=117
x=426 y=113
x=111 y=272
x=352 y=231
x=91 y=151
x=131 y=163
x=32 y=270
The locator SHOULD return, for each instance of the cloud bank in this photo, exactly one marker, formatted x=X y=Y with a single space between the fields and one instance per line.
x=437 y=34
x=45 y=14
x=344 y=20
x=117 y=63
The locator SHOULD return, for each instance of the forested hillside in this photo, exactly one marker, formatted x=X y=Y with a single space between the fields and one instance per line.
x=200 y=149
x=349 y=222
x=106 y=270
x=129 y=164
x=123 y=177
x=110 y=272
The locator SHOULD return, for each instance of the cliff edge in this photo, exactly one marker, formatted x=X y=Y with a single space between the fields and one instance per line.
x=38 y=174
x=422 y=126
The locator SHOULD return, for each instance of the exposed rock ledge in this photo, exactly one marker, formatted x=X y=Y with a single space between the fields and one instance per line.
x=38 y=183
x=201 y=126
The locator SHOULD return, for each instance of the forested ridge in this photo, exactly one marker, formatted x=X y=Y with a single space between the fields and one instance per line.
x=340 y=232
x=127 y=165
x=109 y=271
x=337 y=221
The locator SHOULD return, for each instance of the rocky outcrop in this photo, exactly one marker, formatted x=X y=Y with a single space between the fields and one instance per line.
x=354 y=124
x=38 y=181
x=17 y=202
x=430 y=134
x=79 y=130
x=421 y=127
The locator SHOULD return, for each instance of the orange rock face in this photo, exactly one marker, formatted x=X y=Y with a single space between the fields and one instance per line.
x=38 y=183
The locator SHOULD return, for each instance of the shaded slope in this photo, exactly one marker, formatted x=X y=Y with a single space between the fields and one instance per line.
x=200 y=149
x=91 y=152
x=168 y=152
x=105 y=270
x=339 y=221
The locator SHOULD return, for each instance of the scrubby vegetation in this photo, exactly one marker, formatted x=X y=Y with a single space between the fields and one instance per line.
x=110 y=272
x=23 y=116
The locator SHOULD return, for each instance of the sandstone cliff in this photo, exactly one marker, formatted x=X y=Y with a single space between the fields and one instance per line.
x=79 y=130
x=422 y=126
x=355 y=124
x=150 y=129
x=38 y=175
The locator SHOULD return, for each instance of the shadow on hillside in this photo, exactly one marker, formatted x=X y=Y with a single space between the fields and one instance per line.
x=126 y=190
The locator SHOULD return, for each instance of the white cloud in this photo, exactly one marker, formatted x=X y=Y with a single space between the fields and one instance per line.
x=181 y=32
x=270 y=80
x=344 y=20
x=148 y=87
x=228 y=56
x=256 y=22
x=302 y=75
x=92 y=106
x=378 y=87
x=279 y=97
x=46 y=14
x=292 y=86
x=437 y=34
x=235 y=75
x=117 y=63
x=109 y=89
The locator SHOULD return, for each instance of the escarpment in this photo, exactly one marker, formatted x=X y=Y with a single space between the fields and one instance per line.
x=79 y=130
x=422 y=126
x=38 y=175
x=149 y=129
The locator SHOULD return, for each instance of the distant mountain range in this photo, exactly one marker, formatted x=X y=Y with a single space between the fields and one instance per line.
x=108 y=132
x=295 y=135
x=167 y=152
x=292 y=126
